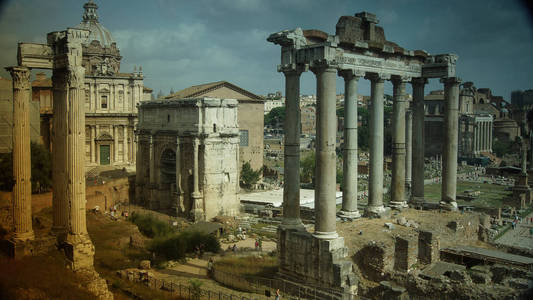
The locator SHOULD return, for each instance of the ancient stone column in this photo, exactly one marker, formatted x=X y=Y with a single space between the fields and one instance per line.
x=408 y=150
x=449 y=168
x=198 y=206
x=152 y=187
x=179 y=193
x=291 y=185
x=125 y=145
x=350 y=159
x=140 y=171
x=398 y=144
x=375 y=183
x=115 y=146
x=22 y=220
x=417 y=191
x=325 y=176
x=93 y=146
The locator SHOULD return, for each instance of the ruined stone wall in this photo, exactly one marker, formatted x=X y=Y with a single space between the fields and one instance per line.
x=405 y=253
x=375 y=259
x=108 y=194
x=428 y=247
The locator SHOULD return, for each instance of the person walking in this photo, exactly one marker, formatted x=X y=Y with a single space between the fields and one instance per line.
x=278 y=296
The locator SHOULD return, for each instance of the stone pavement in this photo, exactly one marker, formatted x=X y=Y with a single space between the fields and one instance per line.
x=519 y=237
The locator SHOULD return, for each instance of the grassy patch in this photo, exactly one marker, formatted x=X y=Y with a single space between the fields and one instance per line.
x=264 y=266
x=39 y=278
x=491 y=194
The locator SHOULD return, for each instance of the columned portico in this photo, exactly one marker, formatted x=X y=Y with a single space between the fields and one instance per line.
x=451 y=122
x=325 y=168
x=291 y=187
x=417 y=195
x=375 y=181
x=22 y=214
x=350 y=158
x=398 y=200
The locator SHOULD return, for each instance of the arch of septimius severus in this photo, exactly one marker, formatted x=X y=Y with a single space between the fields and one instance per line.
x=357 y=50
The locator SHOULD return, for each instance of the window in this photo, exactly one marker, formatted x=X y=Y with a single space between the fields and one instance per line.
x=244 y=138
x=103 y=102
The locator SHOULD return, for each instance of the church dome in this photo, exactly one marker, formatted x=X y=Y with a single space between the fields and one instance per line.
x=98 y=31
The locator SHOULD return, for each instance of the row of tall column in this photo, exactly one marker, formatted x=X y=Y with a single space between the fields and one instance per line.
x=483 y=137
x=403 y=144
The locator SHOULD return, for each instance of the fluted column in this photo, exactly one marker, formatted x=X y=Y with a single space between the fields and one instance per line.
x=179 y=192
x=198 y=207
x=491 y=126
x=125 y=145
x=325 y=168
x=115 y=146
x=22 y=219
x=292 y=124
x=375 y=182
x=59 y=154
x=152 y=186
x=93 y=147
x=417 y=192
x=408 y=150
x=449 y=168
x=140 y=172
x=398 y=144
x=76 y=151
x=350 y=159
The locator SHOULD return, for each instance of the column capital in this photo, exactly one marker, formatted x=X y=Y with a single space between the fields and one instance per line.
x=21 y=77
x=377 y=76
x=419 y=81
x=400 y=79
x=322 y=66
x=450 y=80
x=293 y=69
x=348 y=74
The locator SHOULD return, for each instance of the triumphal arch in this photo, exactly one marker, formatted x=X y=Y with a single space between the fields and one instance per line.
x=358 y=49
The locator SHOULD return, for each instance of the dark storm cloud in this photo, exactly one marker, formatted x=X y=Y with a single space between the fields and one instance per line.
x=182 y=43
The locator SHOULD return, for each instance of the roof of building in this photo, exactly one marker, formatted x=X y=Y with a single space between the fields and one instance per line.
x=199 y=90
x=97 y=31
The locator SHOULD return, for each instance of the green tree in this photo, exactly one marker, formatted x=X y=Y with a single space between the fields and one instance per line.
x=275 y=117
x=249 y=176
x=307 y=168
x=41 y=169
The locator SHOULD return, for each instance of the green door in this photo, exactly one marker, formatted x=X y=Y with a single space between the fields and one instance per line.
x=104 y=154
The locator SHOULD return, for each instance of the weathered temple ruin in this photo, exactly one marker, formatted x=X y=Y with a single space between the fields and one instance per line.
x=63 y=55
x=187 y=157
x=358 y=49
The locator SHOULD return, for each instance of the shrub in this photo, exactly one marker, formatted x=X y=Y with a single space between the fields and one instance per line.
x=176 y=246
x=249 y=176
x=151 y=226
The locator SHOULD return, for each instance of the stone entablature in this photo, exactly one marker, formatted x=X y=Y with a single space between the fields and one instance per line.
x=187 y=157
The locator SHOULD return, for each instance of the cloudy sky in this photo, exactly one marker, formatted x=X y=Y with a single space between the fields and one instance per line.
x=181 y=43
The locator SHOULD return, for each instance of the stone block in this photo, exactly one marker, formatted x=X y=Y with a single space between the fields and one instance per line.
x=15 y=249
x=428 y=247
x=404 y=254
x=144 y=265
x=79 y=252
